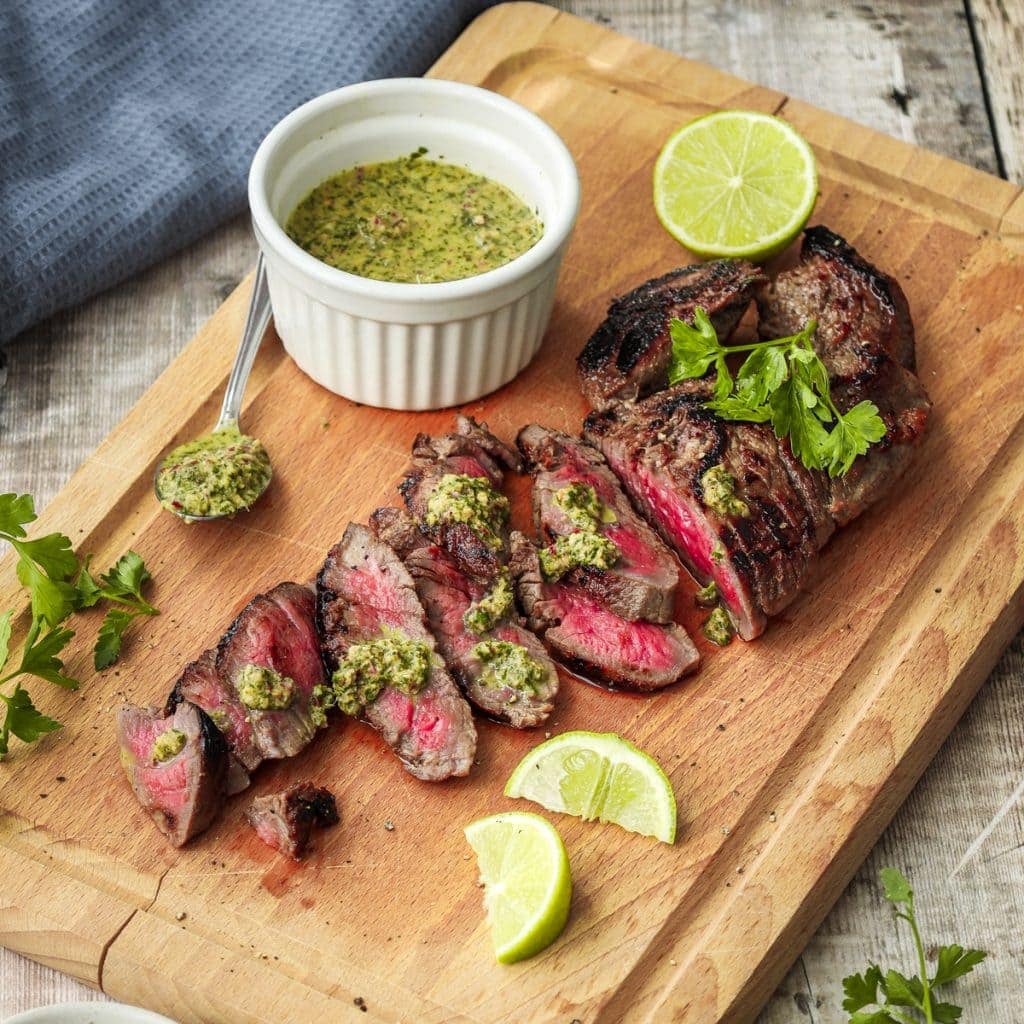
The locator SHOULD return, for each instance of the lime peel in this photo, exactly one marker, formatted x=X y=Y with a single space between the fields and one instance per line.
x=735 y=183
x=598 y=776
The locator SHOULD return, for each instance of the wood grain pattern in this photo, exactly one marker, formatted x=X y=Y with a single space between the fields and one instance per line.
x=924 y=240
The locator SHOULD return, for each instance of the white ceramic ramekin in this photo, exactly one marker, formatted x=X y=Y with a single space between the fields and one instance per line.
x=412 y=346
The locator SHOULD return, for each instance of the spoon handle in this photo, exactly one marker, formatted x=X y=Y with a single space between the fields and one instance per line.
x=255 y=327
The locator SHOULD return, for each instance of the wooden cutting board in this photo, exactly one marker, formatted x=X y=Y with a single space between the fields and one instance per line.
x=788 y=755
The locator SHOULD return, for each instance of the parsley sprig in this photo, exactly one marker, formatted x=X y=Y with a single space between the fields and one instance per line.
x=875 y=997
x=783 y=382
x=58 y=586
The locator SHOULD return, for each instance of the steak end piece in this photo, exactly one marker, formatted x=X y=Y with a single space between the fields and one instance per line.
x=447 y=593
x=177 y=765
x=285 y=820
x=628 y=355
x=362 y=589
x=642 y=584
x=594 y=642
x=865 y=337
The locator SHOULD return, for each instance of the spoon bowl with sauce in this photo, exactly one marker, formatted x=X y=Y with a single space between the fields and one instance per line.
x=225 y=471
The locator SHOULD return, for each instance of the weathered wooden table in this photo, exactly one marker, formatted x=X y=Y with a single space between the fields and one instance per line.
x=946 y=75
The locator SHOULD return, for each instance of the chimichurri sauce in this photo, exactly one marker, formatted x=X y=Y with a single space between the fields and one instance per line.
x=413 y=220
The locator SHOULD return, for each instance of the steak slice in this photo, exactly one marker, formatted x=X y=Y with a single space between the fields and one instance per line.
x=276 y=631
x=184 y=791
x=447 y=594
x=591 y=640
x=201 y=684
x=363 y=589
x=759 y=552
x=628 y=355
x=642 y=583
x=470 y=452
x=865 y=338
x=285 y=820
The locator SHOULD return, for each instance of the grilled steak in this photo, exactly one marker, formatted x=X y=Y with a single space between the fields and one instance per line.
x=866 y=340
x=759 y=546
x=593 y=641
x=642 y=582
x=363 y=589
x=437 y=461
x=275 y=631
x=628 y=355
x=177 y=765
x=201 y=683
x=286 y=820
x=447 y=594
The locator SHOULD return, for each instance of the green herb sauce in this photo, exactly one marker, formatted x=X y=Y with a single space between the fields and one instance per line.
x=471 y=500
x=582 y=507
x=262 y=689
x=168 y=744
x=510 y=665
x=718 y=627
x=719 y=486
x=582 y=548
x=482 y=615
x=707 y=597
x=413 y=220
x=391 y=659
x=217 y=474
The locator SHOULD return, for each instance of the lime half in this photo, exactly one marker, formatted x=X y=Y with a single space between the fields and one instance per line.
x=598 y=776
x=527 y=886
x=735 y=183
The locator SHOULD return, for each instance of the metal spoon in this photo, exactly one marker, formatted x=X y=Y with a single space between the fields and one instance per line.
x=256 y=322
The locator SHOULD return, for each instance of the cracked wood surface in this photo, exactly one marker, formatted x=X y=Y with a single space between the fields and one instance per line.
x=914 y=75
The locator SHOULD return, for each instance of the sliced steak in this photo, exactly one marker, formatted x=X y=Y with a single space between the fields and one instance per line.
x=177 y=765
x=470 y=452
x=642 y=583
x=865 y=337
x=629 y=353
x=593 y=641
x=447 y=594
x=760 y=547
x=201 y=683
x=285 y=820
x=363 y=589
x=275 y=631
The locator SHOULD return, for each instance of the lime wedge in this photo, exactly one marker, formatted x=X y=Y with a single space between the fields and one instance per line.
x=527 y=885
x=735 y=183
x=598 y=776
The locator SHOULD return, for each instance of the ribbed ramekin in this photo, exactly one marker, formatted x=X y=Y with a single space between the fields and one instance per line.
x=412 y=346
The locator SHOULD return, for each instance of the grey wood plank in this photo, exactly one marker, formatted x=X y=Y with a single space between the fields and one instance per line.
x=904 y=68
x=999 y=41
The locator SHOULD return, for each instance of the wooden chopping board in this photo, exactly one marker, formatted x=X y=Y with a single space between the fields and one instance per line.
x=788 y=755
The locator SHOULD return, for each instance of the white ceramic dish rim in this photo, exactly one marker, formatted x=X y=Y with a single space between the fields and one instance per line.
x=555 y=233
x=97 y=1011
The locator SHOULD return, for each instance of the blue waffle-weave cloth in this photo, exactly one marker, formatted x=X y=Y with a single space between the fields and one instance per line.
x=127 y=126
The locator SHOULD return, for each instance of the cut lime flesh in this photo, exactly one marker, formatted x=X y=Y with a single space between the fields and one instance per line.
x=736 y=183
x=527 y=885
x=598 y=776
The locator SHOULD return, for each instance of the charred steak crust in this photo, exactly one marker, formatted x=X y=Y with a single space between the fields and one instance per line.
x=643 y=583
x=629 y=353
x=446 y=593
x=362 y=588
x=865 y=337
x=594 y=642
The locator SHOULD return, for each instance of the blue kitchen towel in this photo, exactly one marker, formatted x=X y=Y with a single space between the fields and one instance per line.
x=127 y=126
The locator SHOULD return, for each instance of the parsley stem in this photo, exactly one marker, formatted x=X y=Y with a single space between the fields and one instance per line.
x=807 y=332
x=926 y=995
